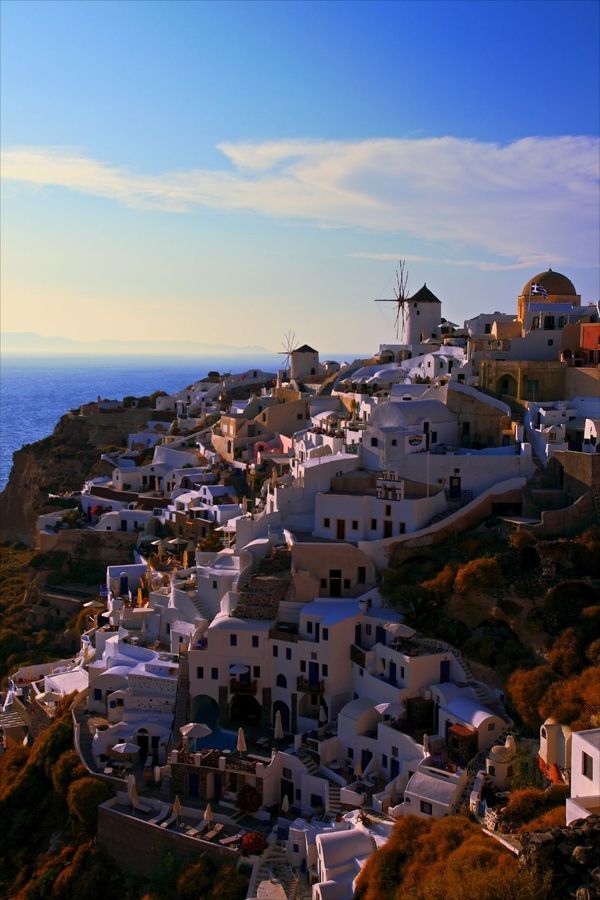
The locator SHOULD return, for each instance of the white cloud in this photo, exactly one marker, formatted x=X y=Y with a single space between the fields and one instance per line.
x=517 y=205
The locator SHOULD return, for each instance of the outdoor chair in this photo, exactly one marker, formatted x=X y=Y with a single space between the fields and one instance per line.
x=233 y=838
x=197 y=830
x=168 y=822
x=162 y=812
x=214 y=832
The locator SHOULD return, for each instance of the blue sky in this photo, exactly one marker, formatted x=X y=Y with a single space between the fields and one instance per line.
x=167 y=163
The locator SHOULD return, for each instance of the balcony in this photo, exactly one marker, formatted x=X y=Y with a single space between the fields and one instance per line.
x=358 y=656
x=242 y=687
x=310 y=687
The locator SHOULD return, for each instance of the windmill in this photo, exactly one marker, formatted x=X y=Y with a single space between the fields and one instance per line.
x=401 y=297
x=288 y=347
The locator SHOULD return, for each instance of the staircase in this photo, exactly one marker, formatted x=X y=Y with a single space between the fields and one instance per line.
x=335 y=803
x=202 y=608
x=183 y=693
x=309 y=761
x=275 y=867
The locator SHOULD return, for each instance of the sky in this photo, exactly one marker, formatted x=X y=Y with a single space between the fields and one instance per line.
x=233 y=171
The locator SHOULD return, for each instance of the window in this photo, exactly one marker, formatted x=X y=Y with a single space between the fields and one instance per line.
x=510 y=771
x=316 y=801
x=394 y=442
x=395 y=752
x=275 y=650
x=491 y=726
x=491 y=770
x=199 y=671
x=361 y=672
x=303 y=665
x=350 y=753
x=323 y=582
x=388 y=509
x=374 y=442
x=326 y=522
x=550 y=342
x=354 y=524
x=487 y=329
x=255 y=640
x=309 y=627
x=361 y=575
x=384 y=760
x=288 y=652
x=281 y=681
x=346 y=584
x=426 y=807
x=368 y=629
x=533 y=386
x=97 y=693
x=256 y=671
x=325 y=670
x=214 y=673
x=233 y=640
x=298 y=793
x=325 y=634
x=214 y=585
x=295 y=847
x=587 y=765
x=401 y=671
x=373 y=524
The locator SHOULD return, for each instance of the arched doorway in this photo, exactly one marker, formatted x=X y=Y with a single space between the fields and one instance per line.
x=507 y=385
x=283 y=708
x=244 y=710
x=142 y=739
x=204 y=709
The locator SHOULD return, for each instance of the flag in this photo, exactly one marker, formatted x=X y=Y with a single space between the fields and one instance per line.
x=538 y=289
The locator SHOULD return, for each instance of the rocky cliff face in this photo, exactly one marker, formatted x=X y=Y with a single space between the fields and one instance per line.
x=58 y=463
x=572 y=854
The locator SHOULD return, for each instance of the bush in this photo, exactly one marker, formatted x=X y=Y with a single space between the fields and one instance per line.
x=83 y=798
x=253 y=843
x=67 y=769
x=526 y=688
x=248 y=799
x=479 y=575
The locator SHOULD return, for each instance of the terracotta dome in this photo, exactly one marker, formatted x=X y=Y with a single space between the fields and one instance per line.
x=553 y=282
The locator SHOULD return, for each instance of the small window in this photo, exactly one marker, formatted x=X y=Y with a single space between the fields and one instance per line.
x=346 y=584
x=395 y=752
x=394 y=442
x=97 y=694
x=214 y=673
x=325 y=669
x=388 y=509
x=214 y=585
x=587 y=765
x=550 y=342
x=275 y=650
x=325 y=634
x=354 y=524
x=256 y=671
x=510 y=771
x=299 y=416
x=384 y=760
x=323 y=582
x=373 y=524
x=303 y=665
x=361 y=575
x=233 y=640
x=199 y=671
x=492 y=770
x=368 y=628
x=374 y=442
x=287 y=774
x=281 y=681
x=295 y=847
x=255 y=640
x=425 y=807
x=491 y=726
x=361 y=672
x=350 y=753
x=326 y=522
x=288 y=652
x=309 y=626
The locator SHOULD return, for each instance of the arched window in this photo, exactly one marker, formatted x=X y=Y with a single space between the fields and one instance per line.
x=281 y=681
x=543 y=732
x=536 y=322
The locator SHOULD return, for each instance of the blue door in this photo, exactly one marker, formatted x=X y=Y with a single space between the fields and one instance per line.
x=393 y=673
x=394 y=768
x=313 y=672
x=444 y=670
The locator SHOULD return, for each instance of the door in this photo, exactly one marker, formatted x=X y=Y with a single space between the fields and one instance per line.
x=357 y=635
x=392 y=673
x=366 y=758
x=313 y=672
x=341 y=530
x=287 y=790
x=218 y=786
x=193 y=784
x=394 y=769
x=335 y=582
x=317 y=631
x=444 y=670
x=387 y=528
x=455 y=488
x=380 y=634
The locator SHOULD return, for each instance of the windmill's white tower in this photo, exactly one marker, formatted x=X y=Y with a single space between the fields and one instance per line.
x=421 y=317
x=305 y=362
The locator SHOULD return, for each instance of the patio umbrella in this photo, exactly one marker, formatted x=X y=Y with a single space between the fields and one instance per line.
x=156 y=773
x=322 y=715
x=358 y=769
x=239 y=670
x=278 y=731
x=241 y=741
x=195 y=730
x=177 y=808
x=125 y=748
x=208 y=813
x=132 y=789
x=285 y=804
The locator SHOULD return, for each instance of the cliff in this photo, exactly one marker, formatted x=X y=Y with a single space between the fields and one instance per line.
x=61 y=462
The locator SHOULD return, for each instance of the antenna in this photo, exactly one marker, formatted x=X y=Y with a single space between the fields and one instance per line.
x=288 y=347
x=400 y=298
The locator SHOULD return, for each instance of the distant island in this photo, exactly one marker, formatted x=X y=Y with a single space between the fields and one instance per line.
x=27 y=342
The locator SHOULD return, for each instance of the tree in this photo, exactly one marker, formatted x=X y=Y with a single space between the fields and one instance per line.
x=526 y=688
x=67 y=769
x=83 y=799
x=566 y=656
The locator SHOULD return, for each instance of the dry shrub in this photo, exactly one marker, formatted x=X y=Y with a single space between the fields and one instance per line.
x=479 y=575
x=442 y=583
x=554 y=818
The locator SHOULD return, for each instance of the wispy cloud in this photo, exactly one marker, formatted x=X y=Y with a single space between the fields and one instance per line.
x=517 y=204
x=528 y=262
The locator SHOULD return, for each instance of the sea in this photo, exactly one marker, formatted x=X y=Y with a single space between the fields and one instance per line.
x=35 y=391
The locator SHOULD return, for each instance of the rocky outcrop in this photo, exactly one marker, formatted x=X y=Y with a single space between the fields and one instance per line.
x=59 y=463
x=571 y=854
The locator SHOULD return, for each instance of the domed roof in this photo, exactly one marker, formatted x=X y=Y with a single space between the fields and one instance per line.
x=553 y=282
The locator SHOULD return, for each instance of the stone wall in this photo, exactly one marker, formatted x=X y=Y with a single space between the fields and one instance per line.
x=572 y=854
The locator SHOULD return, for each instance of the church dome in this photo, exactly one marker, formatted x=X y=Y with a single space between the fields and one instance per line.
x=553 y=282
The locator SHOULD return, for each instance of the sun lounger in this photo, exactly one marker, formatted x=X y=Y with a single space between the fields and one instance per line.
x=162 y=812
x=140 y=807
x=197 y=830
x=214 y=832
x=233 y=838
x=168 y=822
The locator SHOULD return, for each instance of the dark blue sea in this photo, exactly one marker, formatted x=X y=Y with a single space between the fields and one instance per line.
x=36 y=391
